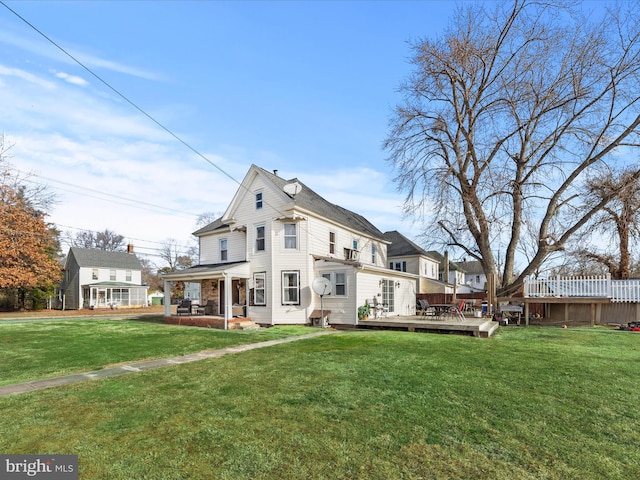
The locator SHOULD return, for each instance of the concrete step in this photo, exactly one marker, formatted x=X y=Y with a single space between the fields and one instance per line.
x=245 y=325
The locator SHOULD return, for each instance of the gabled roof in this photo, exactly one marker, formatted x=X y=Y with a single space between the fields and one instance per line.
x=472 y=267
x=401 y=246
x=309 y=200
x=212 y=227
x=91 y=257
x=452 y=265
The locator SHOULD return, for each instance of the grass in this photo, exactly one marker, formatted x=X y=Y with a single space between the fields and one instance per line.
x=529 y=403
x=32 y=350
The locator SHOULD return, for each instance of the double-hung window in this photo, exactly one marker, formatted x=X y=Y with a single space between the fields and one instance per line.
x=260 y=245
x=94 y=274
x=332 y=242
x=128 y=275
x=290 y=287
x=259 y=288
x=398 y=266
x=112 y=275
x=258 y=200
x=373 y=254
x=290 y=236
x=223 y=250
x=338 y=282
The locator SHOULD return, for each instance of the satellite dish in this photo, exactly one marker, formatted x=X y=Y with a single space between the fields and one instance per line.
x=321 y=286
x=292 y=188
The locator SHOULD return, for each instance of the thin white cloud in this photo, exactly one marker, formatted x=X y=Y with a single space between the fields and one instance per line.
x=38 y=45
x=26 y=76
x=73 y=79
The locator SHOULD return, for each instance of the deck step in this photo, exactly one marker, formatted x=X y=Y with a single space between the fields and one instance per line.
x=488 y=328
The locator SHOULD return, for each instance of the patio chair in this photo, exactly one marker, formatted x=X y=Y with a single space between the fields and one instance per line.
x=457 y=311
x=425 y=309
x=380 y=309
x=184 y=307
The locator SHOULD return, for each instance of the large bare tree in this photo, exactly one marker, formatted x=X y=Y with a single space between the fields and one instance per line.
x=503 y=119
x=618 y=224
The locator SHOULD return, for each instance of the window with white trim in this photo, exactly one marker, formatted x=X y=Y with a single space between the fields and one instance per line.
x=398 y=266
x=112 y=275
x=332 y=242
x=223 y=250
x=338 y=282
x=355 y=244
x=260 y=238
x=259 y=288
x=373 y=254
x=290 y=236
x=94 y=274
x=128 y=275
x=290 y=287
x=258 y=200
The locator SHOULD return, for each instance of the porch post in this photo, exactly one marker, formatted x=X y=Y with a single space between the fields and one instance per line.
x=167 y=298
x=228 y=306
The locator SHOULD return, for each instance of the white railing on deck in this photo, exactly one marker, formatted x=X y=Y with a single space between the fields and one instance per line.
x=599 y=286
x=625 y=291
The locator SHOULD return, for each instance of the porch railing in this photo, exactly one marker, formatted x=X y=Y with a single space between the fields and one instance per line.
x=597 y=286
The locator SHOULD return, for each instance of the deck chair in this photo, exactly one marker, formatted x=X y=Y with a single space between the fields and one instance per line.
x=380 y=309
x=184 y=307
x=425 y=309
x=457 y=311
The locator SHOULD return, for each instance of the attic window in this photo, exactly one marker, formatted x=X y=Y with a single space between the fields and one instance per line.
x=258 y=200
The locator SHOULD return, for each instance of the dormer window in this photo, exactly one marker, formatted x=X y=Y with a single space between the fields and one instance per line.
x=258 y=200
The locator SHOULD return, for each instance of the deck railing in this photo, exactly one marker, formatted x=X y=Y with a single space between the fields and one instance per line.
x=597 y=286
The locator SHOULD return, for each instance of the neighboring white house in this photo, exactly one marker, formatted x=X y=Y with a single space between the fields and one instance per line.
x=101 y=279
x=405 y=256
x=276 y=236
x=475 y=279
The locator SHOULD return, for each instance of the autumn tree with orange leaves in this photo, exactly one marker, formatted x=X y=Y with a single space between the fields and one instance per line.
x=28 y=244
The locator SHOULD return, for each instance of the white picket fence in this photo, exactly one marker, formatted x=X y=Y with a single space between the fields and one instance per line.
x=586 y=287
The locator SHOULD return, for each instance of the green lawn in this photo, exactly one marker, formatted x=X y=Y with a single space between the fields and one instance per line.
x=528 y=403
x=40 y=349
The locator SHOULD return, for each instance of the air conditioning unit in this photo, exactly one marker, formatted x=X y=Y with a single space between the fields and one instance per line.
x=350 y=254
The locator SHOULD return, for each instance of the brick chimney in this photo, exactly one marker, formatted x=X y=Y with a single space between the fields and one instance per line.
x=130 y=248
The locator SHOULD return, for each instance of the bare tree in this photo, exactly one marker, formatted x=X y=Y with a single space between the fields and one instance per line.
x=504 y=118
x=618 y=222
x=106 y=240
x=175 y=257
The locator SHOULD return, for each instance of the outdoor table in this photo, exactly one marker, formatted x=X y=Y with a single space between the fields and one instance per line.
x=441 y=308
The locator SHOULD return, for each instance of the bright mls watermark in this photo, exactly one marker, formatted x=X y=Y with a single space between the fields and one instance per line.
x=49 y=467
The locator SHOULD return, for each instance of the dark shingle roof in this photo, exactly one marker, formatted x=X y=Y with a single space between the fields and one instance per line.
x=401 y=246
x=90 y=257
x=310 y=200
x=212 y=227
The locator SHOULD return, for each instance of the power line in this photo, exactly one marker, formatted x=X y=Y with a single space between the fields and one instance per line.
x=121 y=95
x=139 y=109
x=131 y=202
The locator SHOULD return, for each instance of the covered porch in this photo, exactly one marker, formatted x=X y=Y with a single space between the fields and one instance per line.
x=224 y=294
x=112 y=295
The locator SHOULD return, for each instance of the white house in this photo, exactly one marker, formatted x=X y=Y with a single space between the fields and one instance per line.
x=101 y=279
x=475 y=279
x=405 y=256
x=276 y=237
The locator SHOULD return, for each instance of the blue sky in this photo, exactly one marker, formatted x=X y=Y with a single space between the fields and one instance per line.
x=303 y=87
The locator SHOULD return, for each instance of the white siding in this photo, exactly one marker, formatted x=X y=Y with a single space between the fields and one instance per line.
x=210 y=247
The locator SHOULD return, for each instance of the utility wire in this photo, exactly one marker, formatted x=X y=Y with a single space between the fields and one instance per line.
x=121 y=95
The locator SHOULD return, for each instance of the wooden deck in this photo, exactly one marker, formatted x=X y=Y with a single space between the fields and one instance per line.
x=477 y=327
